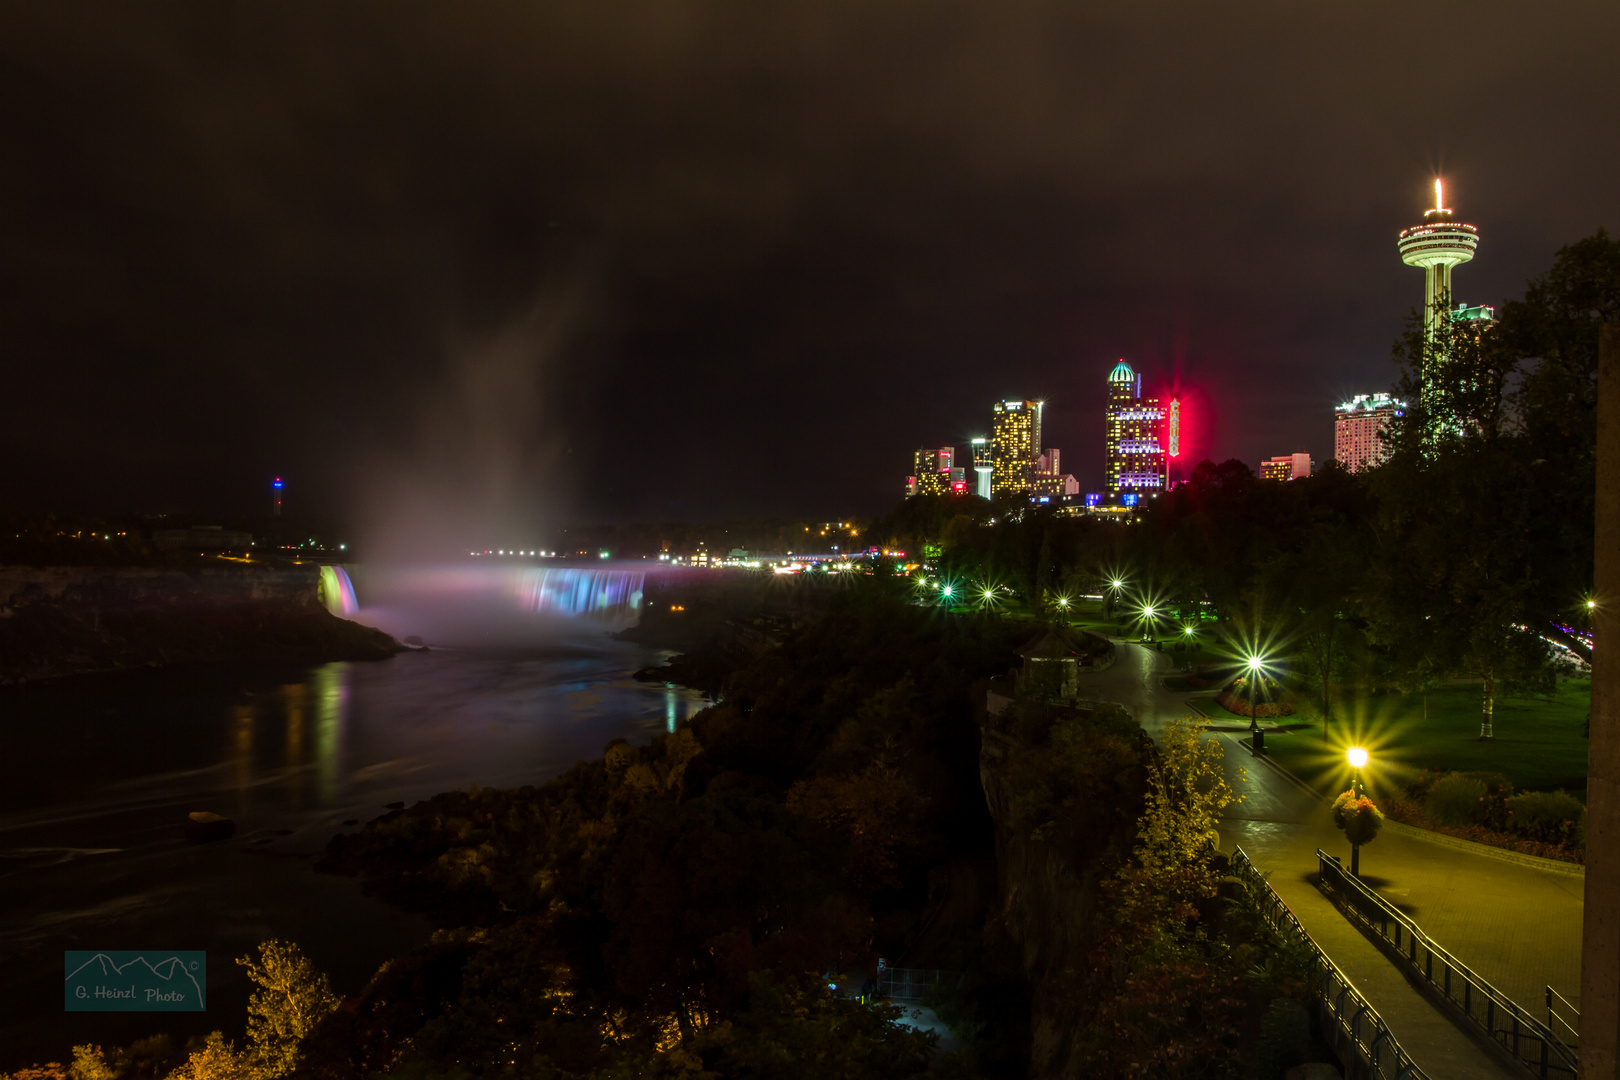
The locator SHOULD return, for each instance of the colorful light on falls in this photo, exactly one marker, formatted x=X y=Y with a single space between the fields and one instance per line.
x=604 y=594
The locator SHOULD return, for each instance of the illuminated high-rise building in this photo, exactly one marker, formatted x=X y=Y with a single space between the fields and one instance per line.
x=1137 y=435
x=1015 y=443
x=1359 y=426
x=983 y=466
x=931 y=471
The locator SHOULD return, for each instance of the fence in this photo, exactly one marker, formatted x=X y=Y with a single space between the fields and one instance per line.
x=912 y=984
x=1532 y=1043
x=1364 y=1043
x=1559 y=1013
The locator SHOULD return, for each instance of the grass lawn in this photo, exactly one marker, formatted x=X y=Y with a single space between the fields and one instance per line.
x=1538 y=743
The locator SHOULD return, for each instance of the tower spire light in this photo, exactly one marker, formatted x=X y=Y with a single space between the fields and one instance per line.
x=1436 y=246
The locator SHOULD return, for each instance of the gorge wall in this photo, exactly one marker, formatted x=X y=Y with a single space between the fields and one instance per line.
x=68 y=620
x=1065 y=811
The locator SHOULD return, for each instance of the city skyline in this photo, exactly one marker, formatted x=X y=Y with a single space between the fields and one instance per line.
x=598 y=249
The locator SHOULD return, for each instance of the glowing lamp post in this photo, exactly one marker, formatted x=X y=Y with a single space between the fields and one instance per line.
x=1115 y=586
x=1358 y=760
x=1255 y=666
x=1258 y=737
x=1353 y=813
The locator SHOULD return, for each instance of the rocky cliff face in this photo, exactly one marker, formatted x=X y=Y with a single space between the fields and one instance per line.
x=69 y=620
x=1060 y=832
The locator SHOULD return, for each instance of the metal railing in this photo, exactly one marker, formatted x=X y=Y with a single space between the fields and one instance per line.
x=1556 y=1018
x=1364 y=1043
x=912 y=984
x=1480 y=1005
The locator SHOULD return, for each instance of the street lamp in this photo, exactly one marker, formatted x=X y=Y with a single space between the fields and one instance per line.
x=1255 y=665
x=1358 y=760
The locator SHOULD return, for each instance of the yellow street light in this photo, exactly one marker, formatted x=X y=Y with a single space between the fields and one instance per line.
x=1357 y=756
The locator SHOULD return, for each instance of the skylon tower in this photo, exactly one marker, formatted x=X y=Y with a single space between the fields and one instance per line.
x=1437 y=245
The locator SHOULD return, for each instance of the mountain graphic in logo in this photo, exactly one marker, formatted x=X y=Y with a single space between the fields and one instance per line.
x=135 y=981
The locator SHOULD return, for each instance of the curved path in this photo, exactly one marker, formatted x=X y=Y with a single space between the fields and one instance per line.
x=1518 y=926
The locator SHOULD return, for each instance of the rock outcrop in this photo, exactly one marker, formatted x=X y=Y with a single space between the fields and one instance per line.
x=73 y=620
x=1061 y=831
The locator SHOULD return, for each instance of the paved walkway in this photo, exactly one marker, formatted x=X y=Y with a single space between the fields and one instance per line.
x=1516 y=925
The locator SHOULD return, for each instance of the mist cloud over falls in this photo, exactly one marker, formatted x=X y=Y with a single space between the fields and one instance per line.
x=477 y=463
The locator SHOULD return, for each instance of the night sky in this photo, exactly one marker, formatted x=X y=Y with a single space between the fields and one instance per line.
x=468 y=268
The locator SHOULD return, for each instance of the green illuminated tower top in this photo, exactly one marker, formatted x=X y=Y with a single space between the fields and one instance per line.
x=1437 y=245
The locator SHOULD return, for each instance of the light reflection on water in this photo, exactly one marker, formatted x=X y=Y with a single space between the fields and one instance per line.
x=96 y=776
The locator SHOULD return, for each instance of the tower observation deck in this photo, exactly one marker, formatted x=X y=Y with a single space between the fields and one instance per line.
x=1437 y=245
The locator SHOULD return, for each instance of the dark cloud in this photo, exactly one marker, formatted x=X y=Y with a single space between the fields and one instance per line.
x=500 y=263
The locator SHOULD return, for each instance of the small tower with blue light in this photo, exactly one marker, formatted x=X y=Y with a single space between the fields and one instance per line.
x=275 y=497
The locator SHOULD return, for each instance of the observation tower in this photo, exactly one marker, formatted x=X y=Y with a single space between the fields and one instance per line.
x=1437 y=245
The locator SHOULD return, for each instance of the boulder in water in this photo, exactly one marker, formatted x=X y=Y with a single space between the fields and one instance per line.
x=203 y=827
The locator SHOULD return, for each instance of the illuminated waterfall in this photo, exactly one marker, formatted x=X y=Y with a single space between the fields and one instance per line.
x=337 y=592
x=606 y=595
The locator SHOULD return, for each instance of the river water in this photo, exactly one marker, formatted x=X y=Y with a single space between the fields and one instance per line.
x=97 y=774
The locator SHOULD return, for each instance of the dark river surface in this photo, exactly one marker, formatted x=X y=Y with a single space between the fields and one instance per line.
x=97 y=774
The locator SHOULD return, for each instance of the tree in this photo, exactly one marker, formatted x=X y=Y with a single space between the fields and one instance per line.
x=1470 y=551
x=292 y=998
x=1186 y=793
x=218 y=1060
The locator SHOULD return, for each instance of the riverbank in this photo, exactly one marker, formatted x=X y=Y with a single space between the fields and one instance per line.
x=76 y=620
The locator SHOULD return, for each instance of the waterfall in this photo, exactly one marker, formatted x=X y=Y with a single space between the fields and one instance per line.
x=606 y=595
x=337 y=592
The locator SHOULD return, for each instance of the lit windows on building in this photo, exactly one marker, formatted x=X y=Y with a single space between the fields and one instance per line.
x=1286 y=467
x=1137 y=434
x=1015 y=443
x=1359 y=430
x=931 y=471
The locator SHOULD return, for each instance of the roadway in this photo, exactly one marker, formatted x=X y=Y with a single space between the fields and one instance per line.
x=1518 y=926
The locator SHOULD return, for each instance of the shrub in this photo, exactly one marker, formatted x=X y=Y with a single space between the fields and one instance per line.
x=1285 y=1037
x=1417 y=787
x=1457 y=800
x=1554 y=816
